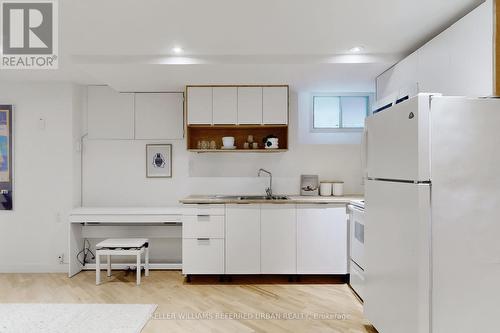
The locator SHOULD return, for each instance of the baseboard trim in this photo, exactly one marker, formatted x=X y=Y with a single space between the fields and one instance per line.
x=34 y=268
x=173 y=266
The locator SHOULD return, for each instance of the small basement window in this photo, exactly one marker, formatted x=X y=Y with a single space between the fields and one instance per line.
x=335 y=112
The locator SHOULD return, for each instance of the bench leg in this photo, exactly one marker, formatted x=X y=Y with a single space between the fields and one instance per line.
x=139 y=268
x=146 y=264
x=97 y=269
x=108 y=258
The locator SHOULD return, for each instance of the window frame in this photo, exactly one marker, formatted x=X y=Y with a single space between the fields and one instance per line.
x=369 y=97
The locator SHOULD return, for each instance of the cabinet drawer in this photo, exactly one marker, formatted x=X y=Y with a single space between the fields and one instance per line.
x=194 y=226
x=357 y=279
x=203 y=256
x=201 y=209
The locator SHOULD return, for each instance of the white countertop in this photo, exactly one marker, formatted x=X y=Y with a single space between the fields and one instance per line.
x=173 y=210
x=126 y=214
x=293 y=199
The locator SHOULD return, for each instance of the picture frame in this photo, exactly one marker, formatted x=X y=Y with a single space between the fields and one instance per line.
x=309 y=185
x=6 y=157
x=158 y=161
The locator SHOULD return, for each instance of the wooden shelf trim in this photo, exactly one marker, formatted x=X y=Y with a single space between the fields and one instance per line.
x=256 y=151
x=216 y=133
x=235 y=85
x=248 y=126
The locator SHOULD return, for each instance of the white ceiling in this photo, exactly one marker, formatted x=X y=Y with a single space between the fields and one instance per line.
x=128 y=43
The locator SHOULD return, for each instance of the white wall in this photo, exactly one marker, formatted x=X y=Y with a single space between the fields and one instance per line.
x=47 y=172
x=114 y=171
x=34 y=234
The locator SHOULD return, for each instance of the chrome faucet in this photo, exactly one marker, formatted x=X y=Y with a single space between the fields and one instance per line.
x=269 y=190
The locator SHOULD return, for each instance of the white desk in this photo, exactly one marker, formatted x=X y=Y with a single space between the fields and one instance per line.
x=107 y=222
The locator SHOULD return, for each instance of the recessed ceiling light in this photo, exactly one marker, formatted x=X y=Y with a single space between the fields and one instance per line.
x=177 y=49
x=356 y=49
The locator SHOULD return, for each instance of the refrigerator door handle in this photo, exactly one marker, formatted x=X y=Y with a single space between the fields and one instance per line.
x=364 y=154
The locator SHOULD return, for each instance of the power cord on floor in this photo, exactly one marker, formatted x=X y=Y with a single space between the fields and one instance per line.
x=86 y=250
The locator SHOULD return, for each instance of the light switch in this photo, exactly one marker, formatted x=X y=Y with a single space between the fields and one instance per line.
x=41 y=124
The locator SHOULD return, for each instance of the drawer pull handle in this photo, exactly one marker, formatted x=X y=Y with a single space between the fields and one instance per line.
x=203 y=215
x=203 y=239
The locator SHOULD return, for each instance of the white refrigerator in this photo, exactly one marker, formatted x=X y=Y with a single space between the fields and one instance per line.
x=432 y=249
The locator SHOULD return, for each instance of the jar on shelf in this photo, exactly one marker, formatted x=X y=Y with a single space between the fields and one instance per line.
x=338 y=188
x=325 y=188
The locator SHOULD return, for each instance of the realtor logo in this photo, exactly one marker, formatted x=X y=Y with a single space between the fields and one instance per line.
x=29 y=34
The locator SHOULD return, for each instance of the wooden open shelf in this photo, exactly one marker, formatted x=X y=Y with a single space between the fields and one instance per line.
x=197 y=133
x=261 y=150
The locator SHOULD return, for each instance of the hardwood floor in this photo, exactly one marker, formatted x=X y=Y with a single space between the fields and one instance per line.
x=175 y=297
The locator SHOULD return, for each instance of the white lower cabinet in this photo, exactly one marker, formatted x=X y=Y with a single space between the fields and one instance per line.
x=278 y=239
x=203 y=256
x=208 y=226
x=321 y=239
x=265 y=239
x=243 y=239
x=203 y=239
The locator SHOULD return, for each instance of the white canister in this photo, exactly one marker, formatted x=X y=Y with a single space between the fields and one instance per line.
x=338 y=189
x=325 y=189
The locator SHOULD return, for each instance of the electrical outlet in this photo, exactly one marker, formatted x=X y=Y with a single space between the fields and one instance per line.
x=61 y=258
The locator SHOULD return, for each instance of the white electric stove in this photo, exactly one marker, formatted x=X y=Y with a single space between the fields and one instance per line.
x=356 y=210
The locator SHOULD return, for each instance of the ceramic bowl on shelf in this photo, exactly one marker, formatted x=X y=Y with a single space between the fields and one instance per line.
x=228 y=141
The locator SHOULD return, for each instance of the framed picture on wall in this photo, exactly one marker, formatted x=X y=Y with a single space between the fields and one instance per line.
x=6 y=179
x=159 y=161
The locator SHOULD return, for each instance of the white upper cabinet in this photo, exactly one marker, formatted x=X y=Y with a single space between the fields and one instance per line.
x=457 y=62
x=225 y=104
x=242 y=239
x=434 y=66
x=398 y=78
x=471 y=64
x=199 y=105
x=321 y=239
x=275 y=105
x=250 y=105
x=159 y=116
x=110 y=113
x=278 y=239
x=245 y=105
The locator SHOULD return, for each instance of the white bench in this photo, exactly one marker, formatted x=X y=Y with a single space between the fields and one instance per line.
x=122 y=247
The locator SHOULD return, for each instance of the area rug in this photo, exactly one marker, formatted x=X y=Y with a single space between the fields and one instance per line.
x=75 y=318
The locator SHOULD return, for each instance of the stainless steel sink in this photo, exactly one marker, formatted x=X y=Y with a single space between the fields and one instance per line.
x=252 y=197
x=228 y=197
x=279 y=197
x=264 y=197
